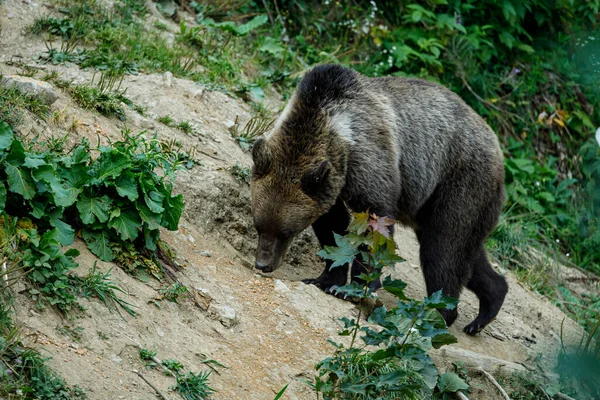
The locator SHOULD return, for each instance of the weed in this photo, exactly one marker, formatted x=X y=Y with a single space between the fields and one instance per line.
x=103 y=335
x=166 y=120
x=241 y=173
x=173 y=292
x=72 y=332
x=173 y=365
x=14 y=103
x=106 y=97
x=140 y=110
x=194 y=386
x=185 y=127
x=255 y=127
x=399 y=367
x=148 y=356
x=99 y=285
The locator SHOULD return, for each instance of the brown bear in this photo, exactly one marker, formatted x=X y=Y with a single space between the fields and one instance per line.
x=404 y=148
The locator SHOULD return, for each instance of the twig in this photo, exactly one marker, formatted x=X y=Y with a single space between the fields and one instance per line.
x=563 y=396
x=494 y=382
x=461 y=395
x=167 y=370
x=268 y=12
x=162 y=396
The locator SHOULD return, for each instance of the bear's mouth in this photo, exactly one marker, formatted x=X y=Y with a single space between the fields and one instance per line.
x=270 y=252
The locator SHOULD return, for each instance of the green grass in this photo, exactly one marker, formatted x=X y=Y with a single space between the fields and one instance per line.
x=14 y=104
x=99 y=285
x=194 y=386
x=241 y=173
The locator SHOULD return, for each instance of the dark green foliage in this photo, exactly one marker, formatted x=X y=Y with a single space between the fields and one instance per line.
x=114 y=199
x=398 y=366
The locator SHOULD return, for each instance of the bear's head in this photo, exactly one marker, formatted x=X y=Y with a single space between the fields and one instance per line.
x=293 y=184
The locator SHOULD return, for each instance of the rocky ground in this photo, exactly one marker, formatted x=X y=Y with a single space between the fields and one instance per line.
x=267 y=330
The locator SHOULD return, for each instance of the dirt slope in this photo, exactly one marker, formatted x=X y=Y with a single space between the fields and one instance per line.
x=268 y=331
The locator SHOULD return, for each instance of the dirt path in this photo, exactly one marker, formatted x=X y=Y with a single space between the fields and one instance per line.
x=268 y=331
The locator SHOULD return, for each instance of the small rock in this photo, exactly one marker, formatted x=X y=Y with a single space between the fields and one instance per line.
x=225 y=314
x=205 y=253
x=42 y=90
x=281 y=287
x=168 y=79
x=10 y=16
x=229 y=124
x=117 y=359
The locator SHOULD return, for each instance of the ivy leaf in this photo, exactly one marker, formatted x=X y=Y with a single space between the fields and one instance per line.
x=91 y=208
x=343 y=253
x=6 y=135
x=126 y=186
x=2 y=196
x=127 y=224
x=173 y=210
x=449 y=382
x=98 y=244
x=19 y=181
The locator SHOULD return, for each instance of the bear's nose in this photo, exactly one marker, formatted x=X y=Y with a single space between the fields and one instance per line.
x=260 y=266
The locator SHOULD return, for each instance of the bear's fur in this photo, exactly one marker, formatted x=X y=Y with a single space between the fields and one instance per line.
x=403 y=148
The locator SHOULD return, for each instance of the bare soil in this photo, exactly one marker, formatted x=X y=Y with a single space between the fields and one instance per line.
x=280 y=326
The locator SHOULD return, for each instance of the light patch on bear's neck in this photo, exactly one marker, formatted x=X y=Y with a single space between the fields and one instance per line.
x=341 y=124
x=284 y=115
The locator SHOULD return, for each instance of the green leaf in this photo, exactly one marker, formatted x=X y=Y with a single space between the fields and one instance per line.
x=63 y=197
x=437 y=300
x=271 y=45
x=126 y=186
x=443 y=339
x=2 y=196
x=98 y=244
x=281 y=392
x=451 y=383
x=254 y=23
x=173 y=210
x=16 y=154
x=19 y=181
x=77 y=175
x=91 y=208
x=127 y=224
x=344 y=253
x=65 y=234
x=395 y=287
x=34 y=161
x=151 y=237
x=154 y=201
x=6 y=136
x=110 y=164
x=150 y=218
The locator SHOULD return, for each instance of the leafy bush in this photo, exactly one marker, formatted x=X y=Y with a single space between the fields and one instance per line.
x=392 y=362
x=112 y=200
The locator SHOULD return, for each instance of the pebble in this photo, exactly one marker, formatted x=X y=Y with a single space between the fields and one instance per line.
x=42 y=90
x=281 y=287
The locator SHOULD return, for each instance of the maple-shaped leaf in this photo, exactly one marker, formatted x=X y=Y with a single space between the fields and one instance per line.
x=360 y=223
x=343 y=253
x=381 y=224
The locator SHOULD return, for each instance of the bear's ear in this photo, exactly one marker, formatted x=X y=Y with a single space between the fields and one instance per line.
x=261 y=158
x=315 y=182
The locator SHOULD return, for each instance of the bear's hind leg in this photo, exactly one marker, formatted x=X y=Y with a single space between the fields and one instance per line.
x=490 y=288
x=439 y=261
x=336 y=220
